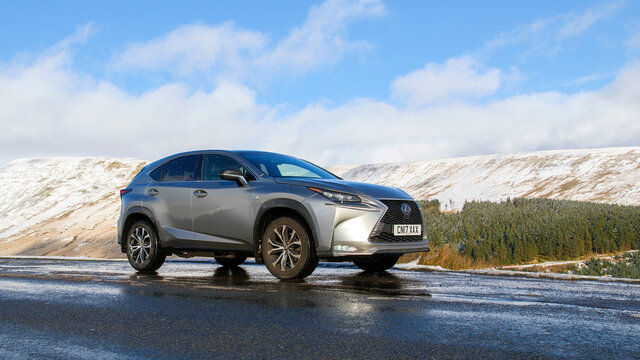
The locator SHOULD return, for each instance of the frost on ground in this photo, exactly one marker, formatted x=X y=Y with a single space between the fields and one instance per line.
x=414 y=265
x=549 y=275
x=549 y=269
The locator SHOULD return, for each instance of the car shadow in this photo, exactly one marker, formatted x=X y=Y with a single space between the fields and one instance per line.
x=230 y=276
x=383 y=283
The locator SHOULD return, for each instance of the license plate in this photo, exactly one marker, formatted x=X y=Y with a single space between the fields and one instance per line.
x=406 y=230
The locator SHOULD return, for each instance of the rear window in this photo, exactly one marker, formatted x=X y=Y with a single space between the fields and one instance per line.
x=186 y=168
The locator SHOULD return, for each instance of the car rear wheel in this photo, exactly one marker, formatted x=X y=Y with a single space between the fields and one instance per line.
x=143 y=250
x=230 y=260
x=288 y=250
x=376 y=263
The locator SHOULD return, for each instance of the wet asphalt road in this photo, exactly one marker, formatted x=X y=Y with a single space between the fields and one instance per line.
x=104 y=310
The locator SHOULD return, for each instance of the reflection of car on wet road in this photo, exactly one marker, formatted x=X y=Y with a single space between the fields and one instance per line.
x=284 y=211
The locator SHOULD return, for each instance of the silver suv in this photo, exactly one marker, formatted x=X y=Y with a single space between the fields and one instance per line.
x=284 y=211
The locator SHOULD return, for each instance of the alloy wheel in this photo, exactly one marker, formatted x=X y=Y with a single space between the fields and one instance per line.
x=286 y=247
x=140 y=244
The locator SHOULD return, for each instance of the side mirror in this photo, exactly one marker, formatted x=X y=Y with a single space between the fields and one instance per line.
x=234 y=174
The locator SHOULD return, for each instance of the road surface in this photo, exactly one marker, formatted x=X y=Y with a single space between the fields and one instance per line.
x=196 y=309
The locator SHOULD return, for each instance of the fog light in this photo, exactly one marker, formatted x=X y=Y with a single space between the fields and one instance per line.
x=344 y=248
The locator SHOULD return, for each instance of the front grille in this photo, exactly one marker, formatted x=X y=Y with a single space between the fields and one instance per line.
x=383 y=232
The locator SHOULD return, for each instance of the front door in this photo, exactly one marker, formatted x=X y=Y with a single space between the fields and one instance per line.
x=222 y=209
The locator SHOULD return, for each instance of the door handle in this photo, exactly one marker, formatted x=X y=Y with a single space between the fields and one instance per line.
x=153 y=192
x=200 y=193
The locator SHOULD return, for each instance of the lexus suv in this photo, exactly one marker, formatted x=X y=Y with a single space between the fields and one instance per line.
x=285 y=212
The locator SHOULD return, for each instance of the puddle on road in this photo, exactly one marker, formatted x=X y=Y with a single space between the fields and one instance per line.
x=238 y=280
x=203 y=280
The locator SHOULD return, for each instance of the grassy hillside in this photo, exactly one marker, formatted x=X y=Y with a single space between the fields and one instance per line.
x=524 y=230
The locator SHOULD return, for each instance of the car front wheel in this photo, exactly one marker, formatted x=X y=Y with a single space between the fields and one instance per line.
x=143 y=250
x=376 y=263
x=288 y=250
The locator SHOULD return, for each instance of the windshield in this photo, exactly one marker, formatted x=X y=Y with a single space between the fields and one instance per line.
x=283 y=166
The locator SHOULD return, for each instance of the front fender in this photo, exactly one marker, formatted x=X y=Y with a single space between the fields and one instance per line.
x=282 y=203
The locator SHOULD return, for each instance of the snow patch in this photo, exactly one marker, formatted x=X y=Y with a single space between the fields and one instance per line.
x=609 y=175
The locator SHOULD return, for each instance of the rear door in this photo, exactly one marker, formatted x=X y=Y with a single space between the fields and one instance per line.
x=222 y=209
x=169 y=197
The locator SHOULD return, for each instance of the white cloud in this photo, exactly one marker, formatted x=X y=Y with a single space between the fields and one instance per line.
x=547 y=35
x=46 y=108
x=81 y=35
x=589 y=78
x=192 y=48
x=458 y=78
x=575 y=24
x=373 y=131
x=521 y=34
x=321 y=39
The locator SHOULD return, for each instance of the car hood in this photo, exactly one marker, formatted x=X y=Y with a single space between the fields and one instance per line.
x=357 y=188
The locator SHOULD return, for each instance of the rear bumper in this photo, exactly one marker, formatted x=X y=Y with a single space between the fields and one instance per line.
x=119 y=229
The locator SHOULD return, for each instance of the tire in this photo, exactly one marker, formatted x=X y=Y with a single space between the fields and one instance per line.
x=376 y=263
x=287 y=249
x=143 y=249
x=230 y=260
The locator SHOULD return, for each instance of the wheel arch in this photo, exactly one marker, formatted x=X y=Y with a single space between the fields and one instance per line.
x=274 y=209
x=134 y=214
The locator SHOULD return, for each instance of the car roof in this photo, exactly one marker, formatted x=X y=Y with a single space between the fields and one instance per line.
x=238 y=152
x=156 y=163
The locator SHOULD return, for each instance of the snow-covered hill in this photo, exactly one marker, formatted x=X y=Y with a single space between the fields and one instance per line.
x=610 y=175
x=69 y=206
x=62 y=206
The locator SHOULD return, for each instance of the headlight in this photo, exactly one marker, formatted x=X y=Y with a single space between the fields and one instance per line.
x=335 y=196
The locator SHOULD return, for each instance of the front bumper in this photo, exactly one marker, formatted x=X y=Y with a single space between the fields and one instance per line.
x=372 y=249
x=353 y=230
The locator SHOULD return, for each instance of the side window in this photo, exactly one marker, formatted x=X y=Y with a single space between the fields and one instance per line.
x=157 y=173
x=185 y=168
x=214 y=164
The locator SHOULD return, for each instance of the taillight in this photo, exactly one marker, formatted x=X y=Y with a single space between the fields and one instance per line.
x=124 y=191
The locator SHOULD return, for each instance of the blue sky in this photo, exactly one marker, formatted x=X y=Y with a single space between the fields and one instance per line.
x=322 y=80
